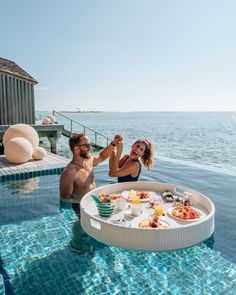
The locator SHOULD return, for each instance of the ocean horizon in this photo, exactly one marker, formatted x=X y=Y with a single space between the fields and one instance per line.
x=196 y=138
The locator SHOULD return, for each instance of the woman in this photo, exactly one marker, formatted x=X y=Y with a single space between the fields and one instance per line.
x=128 y=168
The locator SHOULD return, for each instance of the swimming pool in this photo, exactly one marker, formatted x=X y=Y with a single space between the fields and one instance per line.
x=28 y=195
x=40 y=254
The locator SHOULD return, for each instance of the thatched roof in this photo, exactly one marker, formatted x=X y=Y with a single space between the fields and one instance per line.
x=11 y=68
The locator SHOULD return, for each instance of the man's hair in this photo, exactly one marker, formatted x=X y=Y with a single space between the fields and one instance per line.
x=75 y=139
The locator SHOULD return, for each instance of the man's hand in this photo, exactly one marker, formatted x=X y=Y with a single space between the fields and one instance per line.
x=104 y=154
x=117 y=139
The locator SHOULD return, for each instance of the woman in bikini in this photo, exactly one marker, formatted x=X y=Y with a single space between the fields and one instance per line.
x=128 y=168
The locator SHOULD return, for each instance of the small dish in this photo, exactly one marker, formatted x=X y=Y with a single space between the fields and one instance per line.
x=147 y=223
x=126 y=194
x=120 y=203
x=168 y=197
x=129 y=214
x=201 y=214
x=105 y=210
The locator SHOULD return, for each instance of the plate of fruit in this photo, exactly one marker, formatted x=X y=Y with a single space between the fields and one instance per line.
x=105 y=198
x=143 y=196
x=153 y=222
x=185 y=213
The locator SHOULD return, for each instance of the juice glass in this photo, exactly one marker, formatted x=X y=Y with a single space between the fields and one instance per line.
x=135 y=200
x=135 y=206
x=158 y=211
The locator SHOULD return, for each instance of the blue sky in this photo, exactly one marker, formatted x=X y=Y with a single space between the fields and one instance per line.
x=125 y=55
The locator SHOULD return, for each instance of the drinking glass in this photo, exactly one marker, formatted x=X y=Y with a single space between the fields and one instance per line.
x=158 y=211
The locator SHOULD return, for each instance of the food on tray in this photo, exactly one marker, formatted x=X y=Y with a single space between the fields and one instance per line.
x=115 y=197
x=132 y=194
x=105 y=198
x=185 y=212
x=145 y=223
x=104 y=195
x=135 y=200
x=153 y=202
x=152 y=223
x=141 y=195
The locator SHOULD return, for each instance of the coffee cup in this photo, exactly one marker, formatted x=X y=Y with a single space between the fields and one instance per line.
x=120 y=203
x=135 y=209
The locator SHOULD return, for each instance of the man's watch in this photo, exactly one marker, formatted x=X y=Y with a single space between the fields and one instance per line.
x=112 y=143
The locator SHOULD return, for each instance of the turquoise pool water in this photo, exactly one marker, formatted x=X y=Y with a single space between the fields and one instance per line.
x=40 y=255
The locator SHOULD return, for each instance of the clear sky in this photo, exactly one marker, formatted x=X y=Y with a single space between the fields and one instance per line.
x=124 y=55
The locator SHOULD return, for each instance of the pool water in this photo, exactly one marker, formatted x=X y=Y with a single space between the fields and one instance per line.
x=52 y=255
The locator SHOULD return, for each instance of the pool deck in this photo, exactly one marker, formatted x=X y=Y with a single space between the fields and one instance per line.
x=50 y=161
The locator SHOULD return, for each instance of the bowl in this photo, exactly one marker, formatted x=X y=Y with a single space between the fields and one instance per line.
x=105 y=207
x=105 y=214
x=105 y=210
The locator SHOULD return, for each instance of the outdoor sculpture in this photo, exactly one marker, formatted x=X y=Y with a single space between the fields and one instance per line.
x=39 y=153
x=21 y=144
x=21 y=130
x=52 y=119
x=18 y=150
x=49 y=120
x=46 y=121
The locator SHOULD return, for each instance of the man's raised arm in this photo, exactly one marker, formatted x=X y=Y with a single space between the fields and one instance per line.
x=105 y=153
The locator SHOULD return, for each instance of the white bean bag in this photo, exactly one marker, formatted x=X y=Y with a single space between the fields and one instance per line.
x=39 y=153
x=18 y=150
x=46 y=121
x=52 y=119
x=21 y=130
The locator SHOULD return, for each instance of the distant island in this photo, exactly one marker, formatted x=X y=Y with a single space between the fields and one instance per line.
x=81 y=111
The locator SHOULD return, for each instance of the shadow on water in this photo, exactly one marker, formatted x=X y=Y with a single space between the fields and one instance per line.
x=81 y=242
x=6 y=279
x=210 y=242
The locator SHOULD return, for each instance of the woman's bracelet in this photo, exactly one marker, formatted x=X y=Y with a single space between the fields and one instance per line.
x=112 y=143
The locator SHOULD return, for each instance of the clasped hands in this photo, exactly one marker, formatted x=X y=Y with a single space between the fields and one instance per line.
x=117 y=142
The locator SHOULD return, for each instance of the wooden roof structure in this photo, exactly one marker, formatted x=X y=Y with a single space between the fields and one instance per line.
x=17 y=103
x=11 y=68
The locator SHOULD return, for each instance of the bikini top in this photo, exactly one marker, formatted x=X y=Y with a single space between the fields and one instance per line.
x=129 y=177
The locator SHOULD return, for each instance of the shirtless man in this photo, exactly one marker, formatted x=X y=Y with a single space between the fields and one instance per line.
x=77 y=178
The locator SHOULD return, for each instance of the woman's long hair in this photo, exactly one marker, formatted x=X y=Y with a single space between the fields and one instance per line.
x=147 y=158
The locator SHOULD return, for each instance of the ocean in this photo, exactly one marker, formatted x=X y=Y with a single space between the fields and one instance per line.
x=195 y=138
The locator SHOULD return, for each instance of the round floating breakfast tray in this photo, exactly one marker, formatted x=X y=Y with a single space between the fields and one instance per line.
x=122 y=229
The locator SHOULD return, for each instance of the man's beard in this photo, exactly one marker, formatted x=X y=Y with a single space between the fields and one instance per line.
x=85 y=155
